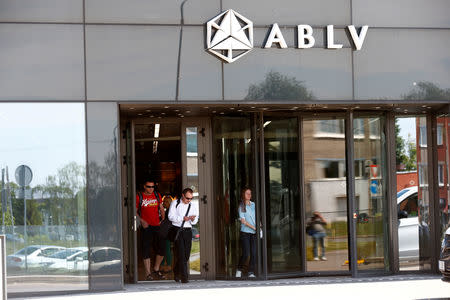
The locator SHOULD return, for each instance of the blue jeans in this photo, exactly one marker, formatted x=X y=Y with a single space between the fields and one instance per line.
x=248 y=245
x=319 y=237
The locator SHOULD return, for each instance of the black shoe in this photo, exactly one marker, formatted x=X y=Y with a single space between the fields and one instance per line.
x=176 y=278
x=149 y=277
x=158 y=275
x=184 y=281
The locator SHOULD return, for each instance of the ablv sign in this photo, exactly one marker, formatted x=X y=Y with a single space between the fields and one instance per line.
x=229 y=36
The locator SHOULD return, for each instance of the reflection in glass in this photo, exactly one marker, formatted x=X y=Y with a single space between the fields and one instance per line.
x=408 y=141
x=105 y=240
x=233 y=171
x=325 y=184
x=282 y=194
x=43 y=209
x=371 y=226
x=443 y=148
x=192 y=160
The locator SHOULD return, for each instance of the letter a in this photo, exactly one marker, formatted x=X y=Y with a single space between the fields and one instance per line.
x=275 y=36
x=358 y=40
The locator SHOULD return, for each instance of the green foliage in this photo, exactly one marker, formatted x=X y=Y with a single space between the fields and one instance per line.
x=278 y=87
x=425 y=90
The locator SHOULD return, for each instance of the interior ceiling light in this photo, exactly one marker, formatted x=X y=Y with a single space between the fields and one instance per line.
x=166 y=107
x=131 y=108
x=148 y=110
x=266 y=123
x=188 y=111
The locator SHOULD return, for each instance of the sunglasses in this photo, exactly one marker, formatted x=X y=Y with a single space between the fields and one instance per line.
x=150 y=186
x=188 y=198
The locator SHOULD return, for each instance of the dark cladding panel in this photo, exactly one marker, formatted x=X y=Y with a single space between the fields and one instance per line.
x=290 y=75
x=292 y=12
x=41 y=11
x=131 y=62
x=403 y=64
x=200 y=72
x=41 y=62
x=104 y=206
x=402 y=13
x=150 y=12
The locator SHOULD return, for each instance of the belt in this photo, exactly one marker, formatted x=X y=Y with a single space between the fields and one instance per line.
x=184 y=228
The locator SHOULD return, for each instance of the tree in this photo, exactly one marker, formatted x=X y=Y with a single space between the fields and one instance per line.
x=278 y=87
x=400 y=156
x=425 y=90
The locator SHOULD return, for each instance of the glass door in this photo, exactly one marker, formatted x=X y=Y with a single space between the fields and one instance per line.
x=195 y=173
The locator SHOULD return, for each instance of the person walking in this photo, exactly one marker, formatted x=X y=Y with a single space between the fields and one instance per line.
x=151 y=211
x=318 y=233
x=247 y=235
x=183 y=214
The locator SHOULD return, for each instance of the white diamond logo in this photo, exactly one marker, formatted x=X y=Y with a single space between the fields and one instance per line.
x=229 y=35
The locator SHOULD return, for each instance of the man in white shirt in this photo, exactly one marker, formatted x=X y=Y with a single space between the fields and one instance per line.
x=182 y=220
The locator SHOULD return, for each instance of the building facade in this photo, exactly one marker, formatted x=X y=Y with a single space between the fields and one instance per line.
x=299 y=100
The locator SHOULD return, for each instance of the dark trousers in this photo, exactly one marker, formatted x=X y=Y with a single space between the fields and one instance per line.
x=248 y=245
x=183 y=250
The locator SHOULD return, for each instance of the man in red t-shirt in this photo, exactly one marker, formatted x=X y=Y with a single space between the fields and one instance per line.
x=151 y=212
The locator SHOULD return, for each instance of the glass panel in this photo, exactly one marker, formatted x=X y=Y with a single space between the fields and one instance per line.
x=370 y=192
x=192 y=157
x=43 y=196
x=233 y=170
x=158 y=157
x=282 y=194
x=443 y=121
x=292 y=75
x=419 y=75
x=122 y=59
x=326 y=196
x=48 y=66
x=41 y=11
x=150 y=12
x=105 y=227
x=401 y=13
x=292 y=12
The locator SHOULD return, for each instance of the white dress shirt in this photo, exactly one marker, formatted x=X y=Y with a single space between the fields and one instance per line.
x=176 y=214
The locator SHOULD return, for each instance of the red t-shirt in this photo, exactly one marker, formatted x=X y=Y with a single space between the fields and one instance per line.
x=149 y=208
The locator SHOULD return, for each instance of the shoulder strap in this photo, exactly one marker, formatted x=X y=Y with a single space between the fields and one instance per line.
x=159 y=202
x=189 y=207
x=178 y=202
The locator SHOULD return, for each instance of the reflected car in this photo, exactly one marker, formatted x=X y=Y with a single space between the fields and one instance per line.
x=34 y=255
x=13 y=238
x=105 y=259
x=444 y=261
x=408 y=226
x=195 y=234
x=67 y=259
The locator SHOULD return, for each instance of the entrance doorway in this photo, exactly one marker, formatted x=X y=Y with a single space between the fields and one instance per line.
x=172 y=153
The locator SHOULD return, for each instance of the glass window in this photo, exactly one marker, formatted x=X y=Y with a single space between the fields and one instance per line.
x=401 y=13
x=282 y=194
x=43 y=193
x=292 y=12
x=412 y=198
x=48 y=66
x=41 y=11
x=443 y=121
x=125 y=63
x=441 y=173
x=326 y=199
x=234 y=169
x=105 y=226
x=372 y=231
x=420 y=74
x=331 y=126
x=439 y=134
x=290 y=74
x=423 y=136
x=150 y=12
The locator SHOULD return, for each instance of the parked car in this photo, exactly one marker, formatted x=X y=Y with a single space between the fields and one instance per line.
x=105 y=260
x=444 y=262
x=195 y=234
x=408 y=226
x=34 y=255
x=67 y=259
x=13 y=238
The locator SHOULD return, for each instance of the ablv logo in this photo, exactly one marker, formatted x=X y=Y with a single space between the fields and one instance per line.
x=229 y=35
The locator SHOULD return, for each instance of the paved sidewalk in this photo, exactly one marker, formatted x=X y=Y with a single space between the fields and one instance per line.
x=387 y=287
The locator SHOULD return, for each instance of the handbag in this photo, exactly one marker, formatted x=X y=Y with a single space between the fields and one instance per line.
x=164 y=228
